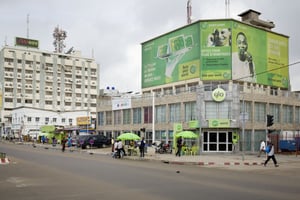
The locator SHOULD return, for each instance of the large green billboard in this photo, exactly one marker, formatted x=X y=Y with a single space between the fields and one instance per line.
x=259 y=56
x=171 y=58
x=216 y=50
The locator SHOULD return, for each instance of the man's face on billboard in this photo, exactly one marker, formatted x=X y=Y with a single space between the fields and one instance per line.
x=241 y=42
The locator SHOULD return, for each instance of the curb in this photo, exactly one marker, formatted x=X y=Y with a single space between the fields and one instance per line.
x=212 y=163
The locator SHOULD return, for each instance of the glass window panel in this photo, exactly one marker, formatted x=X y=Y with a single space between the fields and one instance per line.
x=174 y=112
x=108 y=117
x=190 y=111
x=148 y=114
x=126 y=116
x=160 y=114
x=137 y=115
x=117 y=117
x=260 y=112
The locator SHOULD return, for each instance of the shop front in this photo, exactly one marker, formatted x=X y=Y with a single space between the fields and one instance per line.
x=218 y=141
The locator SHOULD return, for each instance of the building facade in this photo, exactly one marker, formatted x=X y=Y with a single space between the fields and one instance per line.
x=243 y=112
x=27 y=122
x=217 y=78
x=45 y=80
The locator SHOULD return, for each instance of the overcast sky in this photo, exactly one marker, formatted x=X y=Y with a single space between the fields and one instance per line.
x=112 y=31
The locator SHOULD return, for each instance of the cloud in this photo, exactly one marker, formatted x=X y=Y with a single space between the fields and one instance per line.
x=112 y=31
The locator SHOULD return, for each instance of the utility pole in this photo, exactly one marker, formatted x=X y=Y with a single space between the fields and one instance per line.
x=189 y=11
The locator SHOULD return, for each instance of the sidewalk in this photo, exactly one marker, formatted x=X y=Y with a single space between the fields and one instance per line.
x=224 y=160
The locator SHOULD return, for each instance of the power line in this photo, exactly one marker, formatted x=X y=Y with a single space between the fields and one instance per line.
x=263 y=72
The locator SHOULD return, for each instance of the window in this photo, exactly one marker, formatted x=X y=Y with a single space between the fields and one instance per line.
x=218 y=110
x=260 y=112
x=126 y=116
x=100 y=118
x=137 y=115
x=180 y=89
x=274 y=109
x=247 y=108
x=161 y=136
x=117 y=117
x=160 y=114
x=37 y=119
x=190 y=111
x=46 y=120
x=287 y=114
x=174 y=112
x=297 y=115
x=108 y=117
x=148 y=114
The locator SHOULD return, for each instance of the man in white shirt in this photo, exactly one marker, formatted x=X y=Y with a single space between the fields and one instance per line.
x=243 y=67
x=261 y=148
x=271 y=154
x=120 y=148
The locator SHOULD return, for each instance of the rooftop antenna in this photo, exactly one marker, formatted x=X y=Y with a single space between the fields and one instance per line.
x=227 y=8
x=27 y=26
x=59 y=37
x=189 y=11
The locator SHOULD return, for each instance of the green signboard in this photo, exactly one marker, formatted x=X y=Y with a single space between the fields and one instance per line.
x=171 y=58
x=256 y=54
x=27 y=42
x=277 y=61
x=215 y=50
x=218 y=123
x=194 y=124
x=48 y=129
x=177 y=127
x=218 y=94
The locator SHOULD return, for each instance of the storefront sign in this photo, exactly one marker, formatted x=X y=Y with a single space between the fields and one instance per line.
x=194 y=124
x=218 y=94
x=119 y=103
x=86 y=120
x=218 y=123
x=177 y=127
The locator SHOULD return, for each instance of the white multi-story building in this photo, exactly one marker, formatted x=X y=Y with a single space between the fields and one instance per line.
x=45 y=80
x=29 y=121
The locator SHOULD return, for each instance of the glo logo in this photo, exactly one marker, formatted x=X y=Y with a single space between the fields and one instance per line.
x=218 y=94
x=215 y=123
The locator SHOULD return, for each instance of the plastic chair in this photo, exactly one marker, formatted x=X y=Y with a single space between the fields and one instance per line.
x=194 y=150
x=184 y=150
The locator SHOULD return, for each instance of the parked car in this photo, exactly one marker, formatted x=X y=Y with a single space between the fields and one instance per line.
x=89 y=141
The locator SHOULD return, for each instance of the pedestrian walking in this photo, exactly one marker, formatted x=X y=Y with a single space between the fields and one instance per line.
x=270 y=154
x=112 y=141
x=142 y=148
x=261 y=148
x=63 y=143
x=120 y=149
x=115 y=150
x=179 y=146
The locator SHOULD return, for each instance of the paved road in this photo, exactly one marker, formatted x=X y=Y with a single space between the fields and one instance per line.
x=216 y=160
x=45 y=173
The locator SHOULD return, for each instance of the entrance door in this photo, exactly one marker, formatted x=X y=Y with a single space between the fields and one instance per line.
x=217 y=141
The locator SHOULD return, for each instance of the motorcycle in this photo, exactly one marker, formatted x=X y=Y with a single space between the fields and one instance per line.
x=162 y=148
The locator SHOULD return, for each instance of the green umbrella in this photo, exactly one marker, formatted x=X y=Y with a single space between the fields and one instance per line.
x=128 y=136
x=187 y=134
